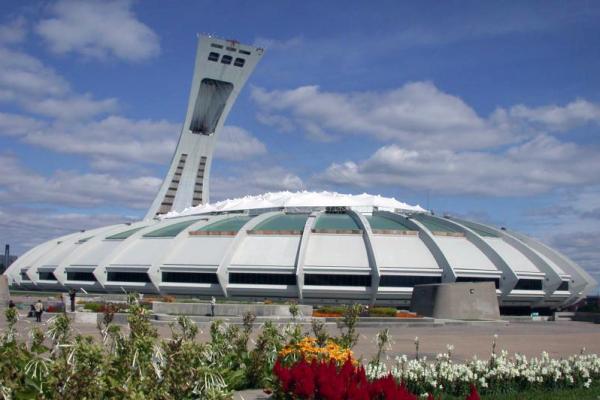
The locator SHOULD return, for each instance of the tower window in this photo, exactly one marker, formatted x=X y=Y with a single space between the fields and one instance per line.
x=216 y=46
x=213 y=56
x=239 y=62
x=226 y=59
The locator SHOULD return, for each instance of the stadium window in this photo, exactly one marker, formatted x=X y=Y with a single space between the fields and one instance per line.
x=212 y=56
x=529 y=284
x=81 y=276
x=226 y=59
x=46 y=276
x=479 y=279
x=337 y=280
x=262 y=279
x=128 y=277
x=407 y=281
x=24 y=276
x=564 y=286
x=189 y=277
x=239 y=62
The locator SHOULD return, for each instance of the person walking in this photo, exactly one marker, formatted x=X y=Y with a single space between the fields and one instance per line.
x=11 y=304
x=72 y=295
x=213 y=301
x=39 y=309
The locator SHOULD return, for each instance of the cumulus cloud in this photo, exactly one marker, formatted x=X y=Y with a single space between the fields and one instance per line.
x=255 y=179
x=66 y=188
x=113 y=137
x=558 y=118
x=13 y=32
x=18 y=125
x=236 y=144
x=24 y=228
x=417 y=113
x=98 y=29
x=533 y=167
x=71 y=108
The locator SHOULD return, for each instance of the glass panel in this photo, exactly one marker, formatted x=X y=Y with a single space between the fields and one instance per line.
x=189 y=277
x=46 y=276
x=336 y=221
x=407 y=281
x=479 y=231
x=529 y=284
x=337 y=280
x=379 y=222
x=171 y=230
x=228 y=225
x=283 y=222
x=436 y=225
x=81 y=276
x=128 y=277
x=263 y=279
x=125 y=234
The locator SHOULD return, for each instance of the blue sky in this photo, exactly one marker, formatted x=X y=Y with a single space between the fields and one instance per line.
x=481 y=109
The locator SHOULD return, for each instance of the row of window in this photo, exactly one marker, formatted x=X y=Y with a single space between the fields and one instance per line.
x=287 y=279
x=226 y=59
x=229 y=48
x=529 y=284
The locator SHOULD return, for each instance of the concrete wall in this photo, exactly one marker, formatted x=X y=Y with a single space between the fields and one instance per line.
x=462 y=301
x=231 y=310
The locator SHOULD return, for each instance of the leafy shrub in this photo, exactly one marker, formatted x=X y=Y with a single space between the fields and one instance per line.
x=338 y=310
x=382 y=312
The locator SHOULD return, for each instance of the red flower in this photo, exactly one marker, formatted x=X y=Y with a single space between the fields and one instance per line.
x=473 y=395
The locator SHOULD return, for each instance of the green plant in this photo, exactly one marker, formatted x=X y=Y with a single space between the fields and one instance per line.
x=382 y=312
x=347 y=326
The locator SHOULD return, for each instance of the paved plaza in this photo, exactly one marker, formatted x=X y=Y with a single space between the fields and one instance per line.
x=559 y=339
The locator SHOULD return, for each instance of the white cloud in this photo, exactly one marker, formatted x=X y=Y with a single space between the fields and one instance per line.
x=558 y=118
x=254 y=179
x=417 y=114
x=18 y=125
x=71 y=108
x=98 y=29
x=278 y=44
x=13 y=32
x=24 y=228
x=26 y=75
x=535 y=167
x=236 y=144
x=19 y=185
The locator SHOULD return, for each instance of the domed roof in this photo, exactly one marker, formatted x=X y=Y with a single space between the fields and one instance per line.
x=303 y=199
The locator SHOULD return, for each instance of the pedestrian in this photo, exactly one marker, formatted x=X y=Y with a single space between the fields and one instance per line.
x=39 y=309
x=213 y=301
x=11 y=304
x=72 y=295
x=31 y=311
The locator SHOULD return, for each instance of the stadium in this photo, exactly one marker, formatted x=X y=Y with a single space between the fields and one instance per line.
x=315 y=247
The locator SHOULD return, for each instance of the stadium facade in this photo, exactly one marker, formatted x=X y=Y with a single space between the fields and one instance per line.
x=314 y=247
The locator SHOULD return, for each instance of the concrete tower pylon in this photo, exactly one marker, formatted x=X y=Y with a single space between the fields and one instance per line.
x=220 y=72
